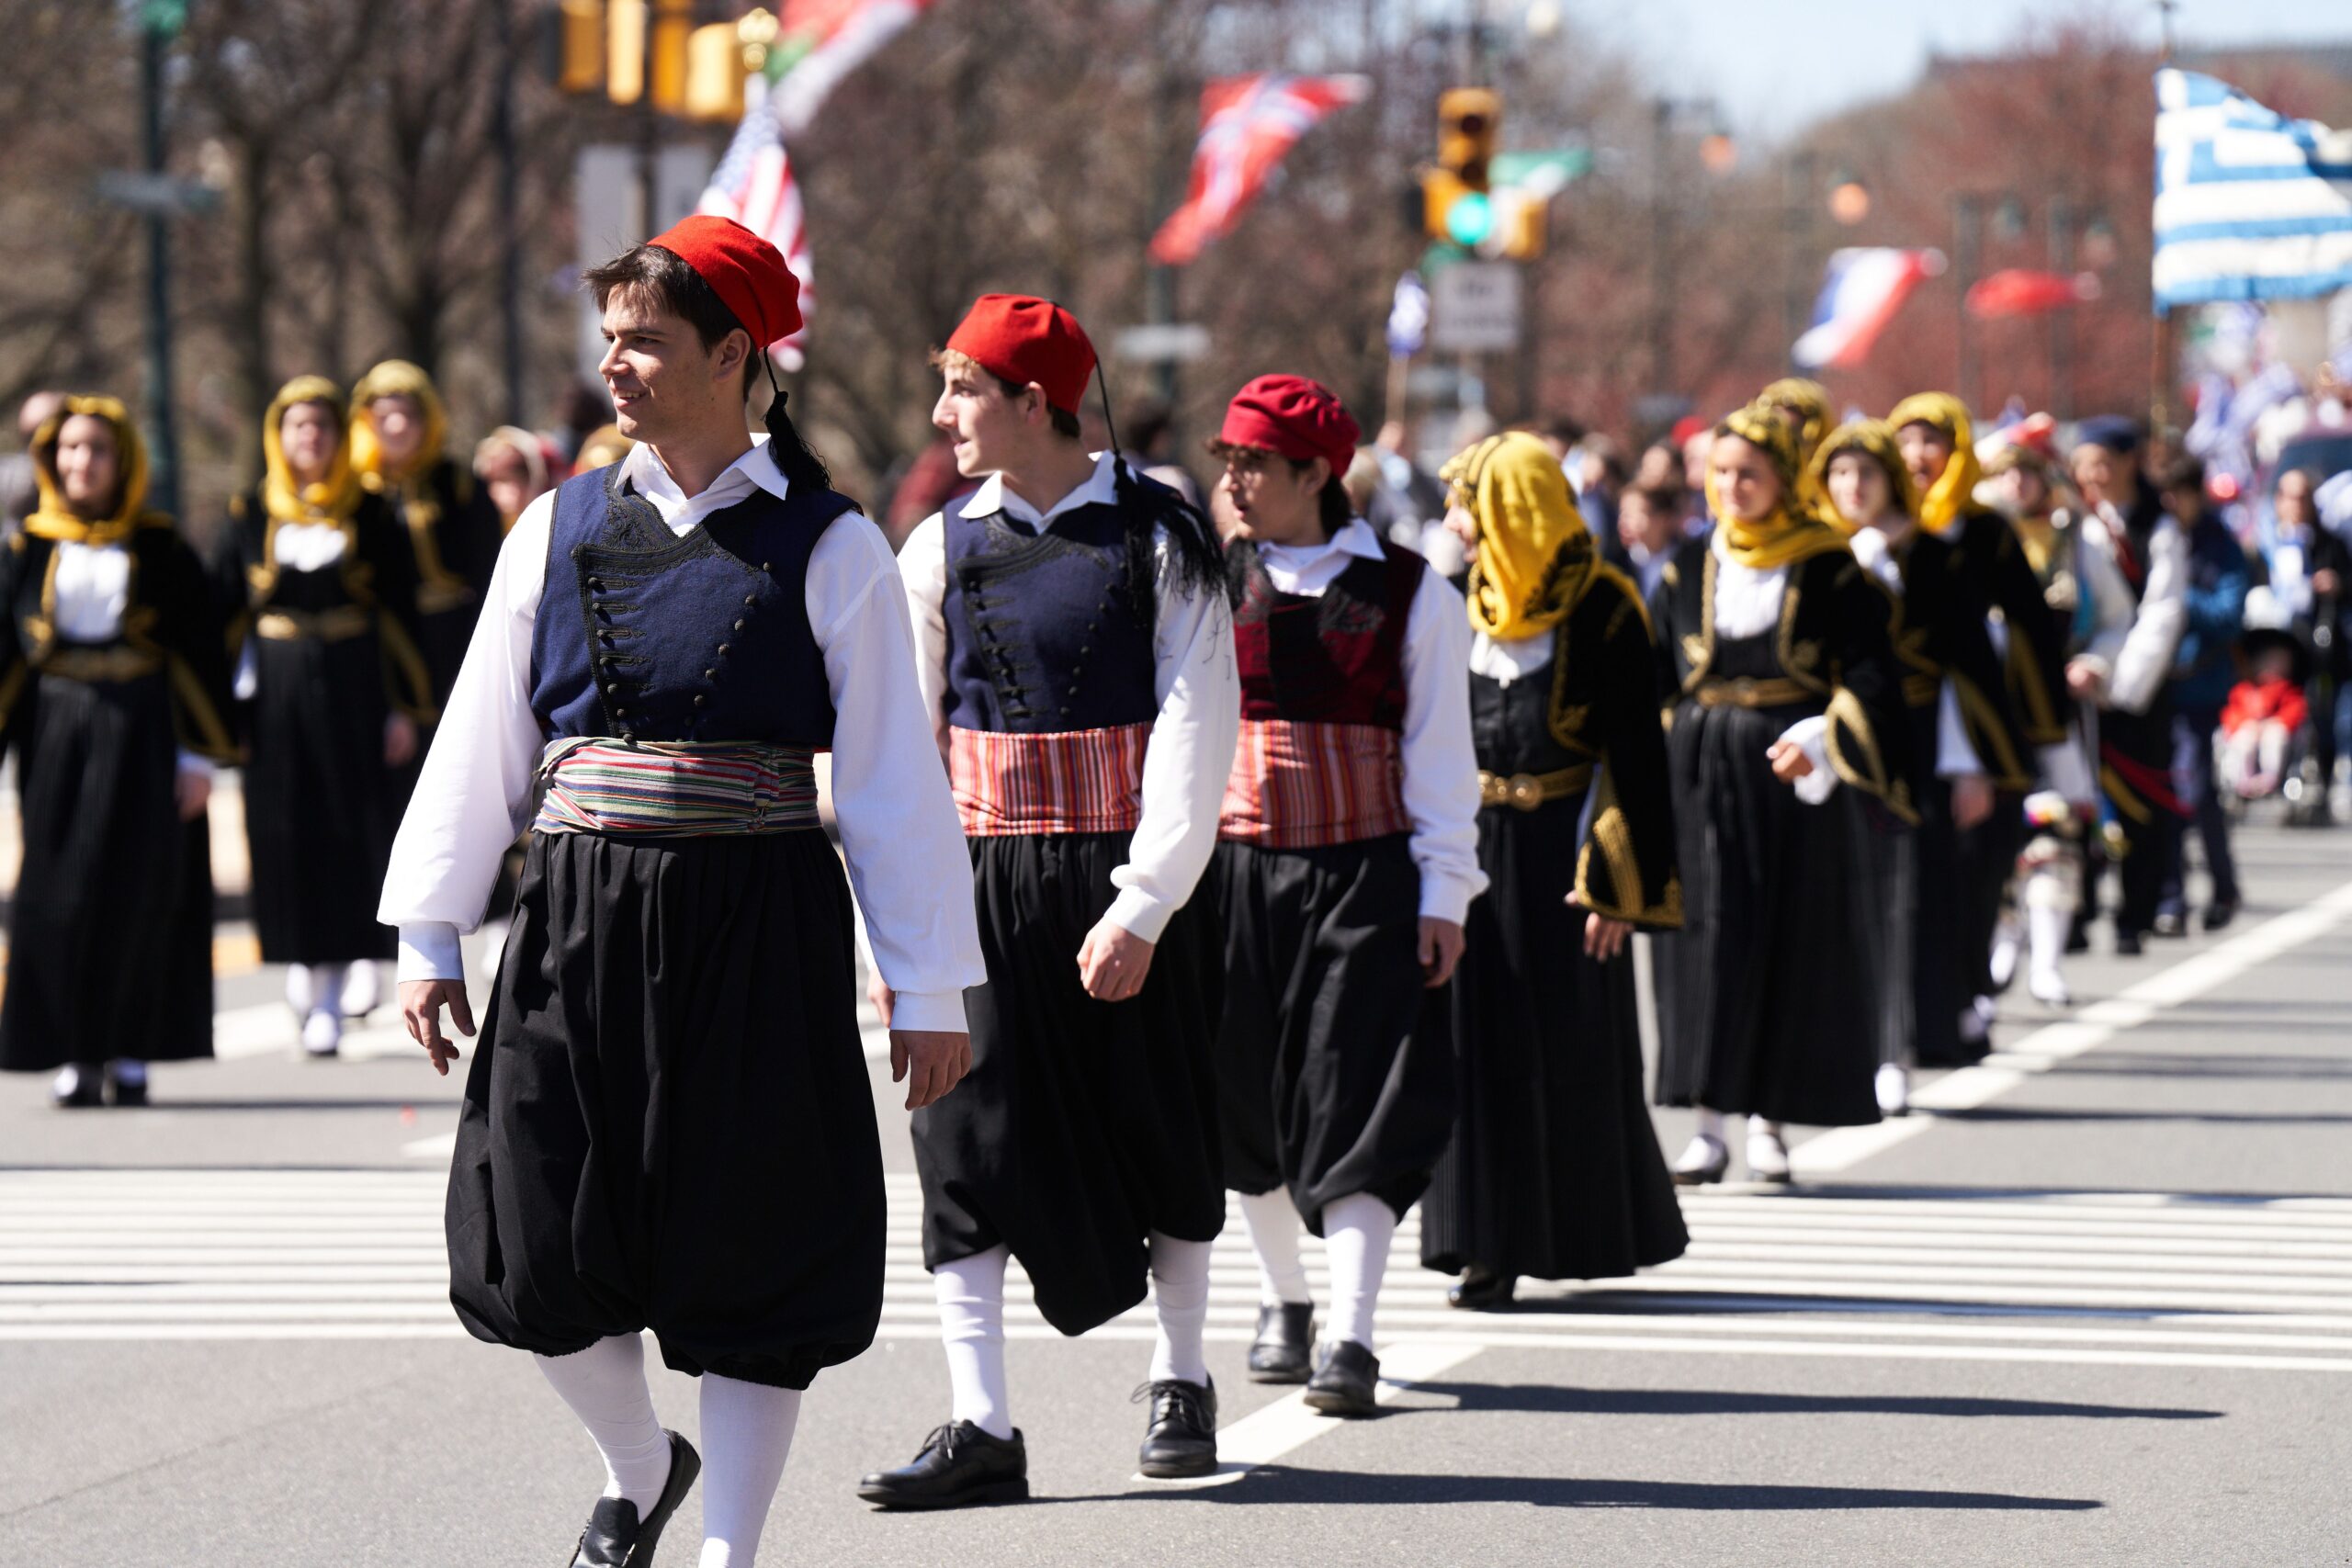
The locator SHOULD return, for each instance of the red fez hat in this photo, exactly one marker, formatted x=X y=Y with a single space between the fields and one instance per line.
x=746 y=273
x=1022 y=340
x=1294 y=418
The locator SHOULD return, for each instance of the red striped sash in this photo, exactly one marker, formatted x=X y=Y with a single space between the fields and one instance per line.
x=1299 y=786
x=686 y=789
x=1075 y=780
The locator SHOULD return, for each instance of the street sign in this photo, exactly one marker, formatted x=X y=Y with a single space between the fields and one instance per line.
x=155 y=195
x=1474 y=308
x=1163 y=343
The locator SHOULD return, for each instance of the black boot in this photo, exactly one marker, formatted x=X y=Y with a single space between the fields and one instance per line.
x=1181 y=1437
x=616 y=1538
x=86 y=1089
x=960 y=1466
x=1285 y=1343
x=1345 y=1376
x=1482 y=1290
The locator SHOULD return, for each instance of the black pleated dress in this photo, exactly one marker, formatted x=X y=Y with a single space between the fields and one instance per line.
x=1083 y=1125
x=1554 y=1171
x=111 y=927
x=1335 y=1058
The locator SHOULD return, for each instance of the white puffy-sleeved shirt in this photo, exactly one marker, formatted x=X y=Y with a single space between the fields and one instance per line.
x=1747 y=604
x=1440 y=761
x=1194 y=677
x=898 y=820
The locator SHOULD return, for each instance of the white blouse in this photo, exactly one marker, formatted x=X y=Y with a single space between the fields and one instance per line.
x=898 y=821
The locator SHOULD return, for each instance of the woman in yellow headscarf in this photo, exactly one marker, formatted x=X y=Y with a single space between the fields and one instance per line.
x=399 y=431
x=1786 y=737
x=1804 y=406
x=113 y=690
x=1992 y=576
x=322 y=584
x=1554 y=1171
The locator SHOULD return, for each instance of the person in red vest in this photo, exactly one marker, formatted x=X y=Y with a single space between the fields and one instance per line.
x=1346 y=859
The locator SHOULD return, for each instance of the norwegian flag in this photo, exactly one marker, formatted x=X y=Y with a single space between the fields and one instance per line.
x=753 y=185
x=1249 y=124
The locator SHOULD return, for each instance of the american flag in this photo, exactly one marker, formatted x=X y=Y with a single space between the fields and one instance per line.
x=1249 y=124
x=753 y=185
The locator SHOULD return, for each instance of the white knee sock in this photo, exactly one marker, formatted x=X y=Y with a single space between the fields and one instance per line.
x=746 y=1435
x=605 y=1385
x=1179 y=1296
x=1273 y=1226
x=971 y=1325
x=1357 y=1231
x=1710 y=1124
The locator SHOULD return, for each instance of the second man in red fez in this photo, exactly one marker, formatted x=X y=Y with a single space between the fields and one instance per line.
x=1076 y=659
x=1347 y=859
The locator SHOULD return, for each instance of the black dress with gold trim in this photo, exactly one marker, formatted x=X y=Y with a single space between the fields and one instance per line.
x=454 y=535
x=1770 y=997
x=1941 y=640
x=110 y=929
x=334 y=655
x=1554 y=1170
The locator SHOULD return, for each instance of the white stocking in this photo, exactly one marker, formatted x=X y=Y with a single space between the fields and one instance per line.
x=1357 y=1231
x=970 y=1292
x=605 y=1385
x=1179 y=1296
x=1273 y=1227
x=746 y=1435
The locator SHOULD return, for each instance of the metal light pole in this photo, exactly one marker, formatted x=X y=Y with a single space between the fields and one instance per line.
x=510 y=249
x=2061 y=321
x=160 y=21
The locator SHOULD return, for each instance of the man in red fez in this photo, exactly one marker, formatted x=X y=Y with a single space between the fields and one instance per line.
x=1346 y=860
x=1076 y=656
x=668 y=1123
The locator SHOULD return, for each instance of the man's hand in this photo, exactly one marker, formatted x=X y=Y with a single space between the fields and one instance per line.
x=421 y=1002
x=1789 y=762
x=930 y=1062
x=191 y=791
x=885 y=999
x=1605 y=938
x=1441 y=947
x=399 y=740
x=1972 y=800
x=2326 y=584
x=1112 y=962
x=2083 y=680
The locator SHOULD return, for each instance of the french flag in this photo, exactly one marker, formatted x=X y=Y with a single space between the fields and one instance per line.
x=1864 y=287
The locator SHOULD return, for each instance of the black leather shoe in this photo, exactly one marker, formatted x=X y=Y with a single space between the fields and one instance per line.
x=1284 y=1347
x=1181 y=1437
x=2170 y=922
x=1345 y=1376
x=125 y=1093
x=2219 y=913
x=616 y=1538
x=1482 y=1290
x=88 y=1089
x=2126 y=944
x=960 y=1467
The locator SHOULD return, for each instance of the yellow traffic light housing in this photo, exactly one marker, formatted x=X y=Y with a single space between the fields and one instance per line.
x=1469 y=129
x=580 y=58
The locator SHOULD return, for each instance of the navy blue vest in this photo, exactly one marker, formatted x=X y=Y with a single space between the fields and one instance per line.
x=643 y=635
x=1045 y=631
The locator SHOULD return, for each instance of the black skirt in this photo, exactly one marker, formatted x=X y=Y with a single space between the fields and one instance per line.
x=1770 y=1001
x=320 y=807
x=668 y=1122
x=109 y=934
x=1335 y=1066
x=1083 y=1125
x=1554 y=1171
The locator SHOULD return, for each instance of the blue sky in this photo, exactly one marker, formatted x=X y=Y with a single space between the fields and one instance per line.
x=1773 y=64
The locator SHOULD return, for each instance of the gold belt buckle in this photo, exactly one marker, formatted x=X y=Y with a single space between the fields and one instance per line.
x=1525 y=791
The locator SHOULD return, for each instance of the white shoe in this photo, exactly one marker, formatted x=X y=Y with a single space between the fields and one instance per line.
x=2048 y=987
x=301 y=990
x=2003 y=960
x=1702 y=1163
x=363 y=990
x=1893 y=1089
x=1768 y=1157
x=322 y=1034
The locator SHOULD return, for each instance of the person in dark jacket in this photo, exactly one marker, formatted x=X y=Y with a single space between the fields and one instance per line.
x=2202 y=673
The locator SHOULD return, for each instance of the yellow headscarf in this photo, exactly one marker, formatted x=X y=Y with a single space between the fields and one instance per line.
x=602 y=447
x=54 y=519
x=1874 y=439
x=396 y=378
x=1535 y=555
x=1811 y=400
x=1790 y=532
x=333 y=498
x=1954 y=489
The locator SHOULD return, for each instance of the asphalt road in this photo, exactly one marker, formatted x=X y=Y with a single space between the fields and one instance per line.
x=2093 y=1304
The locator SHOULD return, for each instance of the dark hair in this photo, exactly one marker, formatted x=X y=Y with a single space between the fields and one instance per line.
x=666 y=281
x=1334 y=510
x=2186 y=471
x=1562 y=429
x=1062 y=421
x=1664 y=499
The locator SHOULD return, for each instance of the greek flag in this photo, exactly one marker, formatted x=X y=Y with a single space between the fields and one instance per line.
x=2250 y=204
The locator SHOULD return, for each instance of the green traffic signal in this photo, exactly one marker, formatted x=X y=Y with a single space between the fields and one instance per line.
x=1470 y=218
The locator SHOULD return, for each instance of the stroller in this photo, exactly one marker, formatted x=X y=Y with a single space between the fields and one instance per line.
x=2264 y=748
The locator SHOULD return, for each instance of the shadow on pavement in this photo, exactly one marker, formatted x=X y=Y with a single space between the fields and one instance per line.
x=1279 y=1484
x=393 y=1102
x=2064 y=1113
x=2145 y=1064
x=1538 y=1398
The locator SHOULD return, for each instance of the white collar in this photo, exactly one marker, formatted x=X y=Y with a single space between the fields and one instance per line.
x=1356 y=539
x=1100 y=489
x=755 y=469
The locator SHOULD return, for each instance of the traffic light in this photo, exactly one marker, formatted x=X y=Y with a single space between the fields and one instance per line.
x=1456 y=203
x=580 y=46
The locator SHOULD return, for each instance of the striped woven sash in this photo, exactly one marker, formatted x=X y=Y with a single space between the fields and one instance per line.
x=1301 y=786
x=676 y=789
x=1075 y=780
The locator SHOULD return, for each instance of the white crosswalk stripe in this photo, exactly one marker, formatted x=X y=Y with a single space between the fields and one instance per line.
x=2089 y=1278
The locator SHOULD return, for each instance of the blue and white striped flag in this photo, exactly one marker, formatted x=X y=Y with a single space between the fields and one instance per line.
x=2250 y=204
